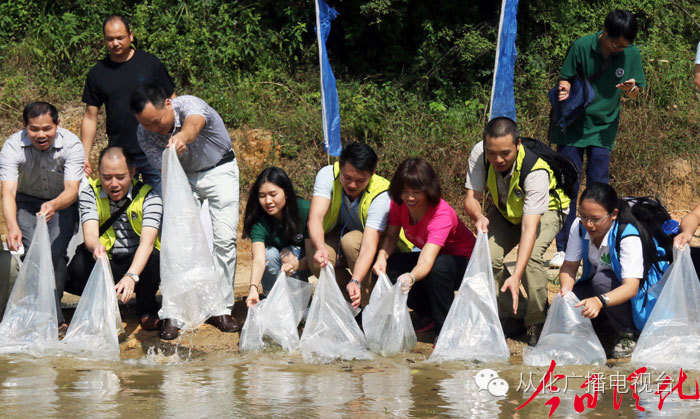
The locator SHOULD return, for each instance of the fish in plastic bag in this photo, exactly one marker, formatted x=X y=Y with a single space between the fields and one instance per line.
x=472 y=330
x=671 y=335
x=277 y=316
x=189 y=280
x=96 y=323
x=30 y=324
x=567 y=337
x=386 y=321
x=331 y=331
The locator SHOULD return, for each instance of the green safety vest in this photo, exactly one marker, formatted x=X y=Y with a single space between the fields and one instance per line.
x=376 y=185
x=513 y=212
x=134 y=213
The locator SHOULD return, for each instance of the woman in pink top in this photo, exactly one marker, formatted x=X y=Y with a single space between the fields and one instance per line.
x=431 y=224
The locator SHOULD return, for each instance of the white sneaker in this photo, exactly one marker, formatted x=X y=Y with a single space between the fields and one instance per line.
x=557 y=260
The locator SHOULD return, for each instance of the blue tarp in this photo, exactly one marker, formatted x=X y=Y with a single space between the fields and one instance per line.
x=502 y=96
x=329 y=93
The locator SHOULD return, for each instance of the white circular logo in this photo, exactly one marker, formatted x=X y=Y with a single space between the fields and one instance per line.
x=488 y=379
x=620 y=72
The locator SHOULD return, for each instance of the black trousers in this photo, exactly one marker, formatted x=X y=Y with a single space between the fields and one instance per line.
x=695 y=255
x=433 y=295
x=82 y=263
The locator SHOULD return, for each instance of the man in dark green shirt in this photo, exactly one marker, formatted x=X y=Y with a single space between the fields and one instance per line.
x=594 y=132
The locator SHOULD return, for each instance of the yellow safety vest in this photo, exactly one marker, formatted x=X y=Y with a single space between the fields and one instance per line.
x=376 y=185
x=513 y=212
x=134 y=213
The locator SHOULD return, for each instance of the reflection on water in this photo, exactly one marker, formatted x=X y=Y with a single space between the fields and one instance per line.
x=278 y=385
x=28 y=389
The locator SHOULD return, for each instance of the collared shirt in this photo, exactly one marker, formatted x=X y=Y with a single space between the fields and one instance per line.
x=598 y=126
x=41 y=173
x=631 y=252
x=204 y=152
x=126 y=239
x=536 y=185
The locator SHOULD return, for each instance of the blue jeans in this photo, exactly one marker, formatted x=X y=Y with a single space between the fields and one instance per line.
x=597 y=170
x=273 y=265
x=149 y=174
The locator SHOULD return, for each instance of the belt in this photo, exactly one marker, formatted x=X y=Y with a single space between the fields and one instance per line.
x=229 y=156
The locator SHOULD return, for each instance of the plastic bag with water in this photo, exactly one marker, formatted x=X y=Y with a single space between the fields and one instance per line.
x=386 y=321
x=671 y=336
x=567 y=337
x=189 y=281
x=277 y=316
x=96 y=323
x=331 y=331
x=30 y=324
x=472 y=331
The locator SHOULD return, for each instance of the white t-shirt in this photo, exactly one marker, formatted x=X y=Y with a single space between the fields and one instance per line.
x=631 y=253
x=378 y=212
x=536 y=183
x=697 y=55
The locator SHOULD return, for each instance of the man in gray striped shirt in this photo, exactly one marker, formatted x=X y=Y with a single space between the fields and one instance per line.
x=121 y=217
x=40 y=169
x=203 y=145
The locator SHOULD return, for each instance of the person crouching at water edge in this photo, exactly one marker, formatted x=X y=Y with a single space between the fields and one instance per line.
x=617 y=253
x=275 y=221
x=347 y=218
x=121 y=218
x=432 y=275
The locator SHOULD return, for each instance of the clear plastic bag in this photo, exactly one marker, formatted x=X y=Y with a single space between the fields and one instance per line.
x=277 y=316
x=30 y=324
x=331 y=331
x=567 y=337
x=386 y=321
x=472 y=331
x=96 y=323
x=671 y=336
x=189 y=281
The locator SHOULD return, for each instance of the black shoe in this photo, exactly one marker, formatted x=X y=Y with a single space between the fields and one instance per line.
x=513 y=328
x=169 y=331
x=225 y=323
x=624 y=345
x=533 y=333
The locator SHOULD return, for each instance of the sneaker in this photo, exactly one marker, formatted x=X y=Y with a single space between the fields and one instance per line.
x=557 y=260
x=533 y=333
x=423 y=324
x=624 y=345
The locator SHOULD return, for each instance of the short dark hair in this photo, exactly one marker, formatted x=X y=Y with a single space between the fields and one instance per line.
x=113 y=149
x=35 y=109
x=500 y=127
x=418 y=174
x=361 y=156
x=621 y=23
x=121 y=18
x=143 y=95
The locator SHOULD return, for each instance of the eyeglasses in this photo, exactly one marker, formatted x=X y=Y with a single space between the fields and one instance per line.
x=616 y=45
x=594 y=221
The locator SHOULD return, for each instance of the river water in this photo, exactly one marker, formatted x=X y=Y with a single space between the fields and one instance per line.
x=274 y=384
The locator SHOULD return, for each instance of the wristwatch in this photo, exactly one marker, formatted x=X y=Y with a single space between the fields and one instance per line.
x=133 y=276
x=604 y=299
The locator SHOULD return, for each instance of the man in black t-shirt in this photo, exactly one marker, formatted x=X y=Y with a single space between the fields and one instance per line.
x=110 y=82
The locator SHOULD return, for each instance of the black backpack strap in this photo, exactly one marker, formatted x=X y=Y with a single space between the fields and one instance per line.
x=118 y=213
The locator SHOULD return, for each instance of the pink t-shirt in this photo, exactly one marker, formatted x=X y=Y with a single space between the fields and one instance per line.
x=440 y=225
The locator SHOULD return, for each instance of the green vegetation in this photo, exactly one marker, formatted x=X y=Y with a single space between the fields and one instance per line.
x=414 y=77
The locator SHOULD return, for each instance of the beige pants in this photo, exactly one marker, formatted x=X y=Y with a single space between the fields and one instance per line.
x=350 y=248
x=503 y=237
